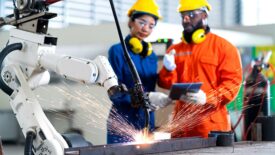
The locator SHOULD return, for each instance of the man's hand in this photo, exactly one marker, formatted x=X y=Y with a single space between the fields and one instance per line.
x=169 y=60
x=159 y=100
x=195 y=98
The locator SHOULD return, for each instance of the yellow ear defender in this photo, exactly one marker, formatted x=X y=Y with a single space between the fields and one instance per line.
x=136 y=45
x=197 y=37
x=140 y=47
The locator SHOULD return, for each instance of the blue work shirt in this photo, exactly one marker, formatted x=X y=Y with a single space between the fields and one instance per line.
x=147 y=70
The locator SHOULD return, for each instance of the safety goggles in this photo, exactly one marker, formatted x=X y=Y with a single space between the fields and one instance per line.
x=191 y=14
x=142 y=23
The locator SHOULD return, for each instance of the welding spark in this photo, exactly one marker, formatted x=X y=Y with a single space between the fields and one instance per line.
x=97 y=110
x=191 y=115
x=143 y=138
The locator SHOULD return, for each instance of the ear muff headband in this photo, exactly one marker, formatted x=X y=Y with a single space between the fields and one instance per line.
x=197 y=37
x=147 y=49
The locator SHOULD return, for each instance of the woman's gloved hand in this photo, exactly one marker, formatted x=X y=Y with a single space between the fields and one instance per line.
x=169 y=60
x=195 y=98
x=159 y=100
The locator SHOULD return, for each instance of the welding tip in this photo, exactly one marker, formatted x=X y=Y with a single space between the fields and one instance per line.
x=145 y=132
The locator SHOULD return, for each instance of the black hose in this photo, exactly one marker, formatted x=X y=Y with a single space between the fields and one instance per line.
x=138 y=88
x=130 y=63
x=8 y=49
x=28 y=144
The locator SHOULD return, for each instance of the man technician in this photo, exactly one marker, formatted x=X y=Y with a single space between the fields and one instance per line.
x=204 y=57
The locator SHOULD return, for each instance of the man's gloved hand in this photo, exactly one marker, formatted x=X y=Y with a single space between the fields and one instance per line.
x=169 y=60
x=195 y=98
x=159 y=100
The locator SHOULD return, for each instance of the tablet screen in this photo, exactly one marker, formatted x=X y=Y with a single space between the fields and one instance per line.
x=178 y=89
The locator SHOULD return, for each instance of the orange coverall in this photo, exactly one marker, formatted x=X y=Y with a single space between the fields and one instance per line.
x=217 y=64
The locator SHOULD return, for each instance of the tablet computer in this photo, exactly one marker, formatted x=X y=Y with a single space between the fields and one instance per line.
x=178 y=89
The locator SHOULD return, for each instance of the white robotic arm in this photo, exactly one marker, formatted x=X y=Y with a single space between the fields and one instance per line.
x=21 y=74
x=96 y=71
x=30 y=54
x=36 y=57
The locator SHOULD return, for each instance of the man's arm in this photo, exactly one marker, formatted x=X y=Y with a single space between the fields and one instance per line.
x=168 y=74
x=166 y=78
x=230 y=80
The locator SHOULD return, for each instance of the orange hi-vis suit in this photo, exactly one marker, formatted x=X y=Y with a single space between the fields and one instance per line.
x=217 y=64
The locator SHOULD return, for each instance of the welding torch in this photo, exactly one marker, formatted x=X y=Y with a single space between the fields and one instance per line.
x=139 y=97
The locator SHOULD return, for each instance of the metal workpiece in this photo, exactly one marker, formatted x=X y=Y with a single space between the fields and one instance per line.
x=170 y=145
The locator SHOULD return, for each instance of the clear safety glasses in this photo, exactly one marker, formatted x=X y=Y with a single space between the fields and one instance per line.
x=142 y=23
x=191 y=14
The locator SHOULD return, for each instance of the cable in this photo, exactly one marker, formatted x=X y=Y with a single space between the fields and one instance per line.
x=29 y=140
x=14 y=4
x=8 y=49
x=138 y=88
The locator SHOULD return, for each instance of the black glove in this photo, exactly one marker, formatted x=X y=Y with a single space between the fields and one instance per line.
x=138 y=99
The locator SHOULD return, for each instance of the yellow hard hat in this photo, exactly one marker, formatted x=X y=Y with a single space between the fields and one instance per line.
x=187 y=5
x=145 y=6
